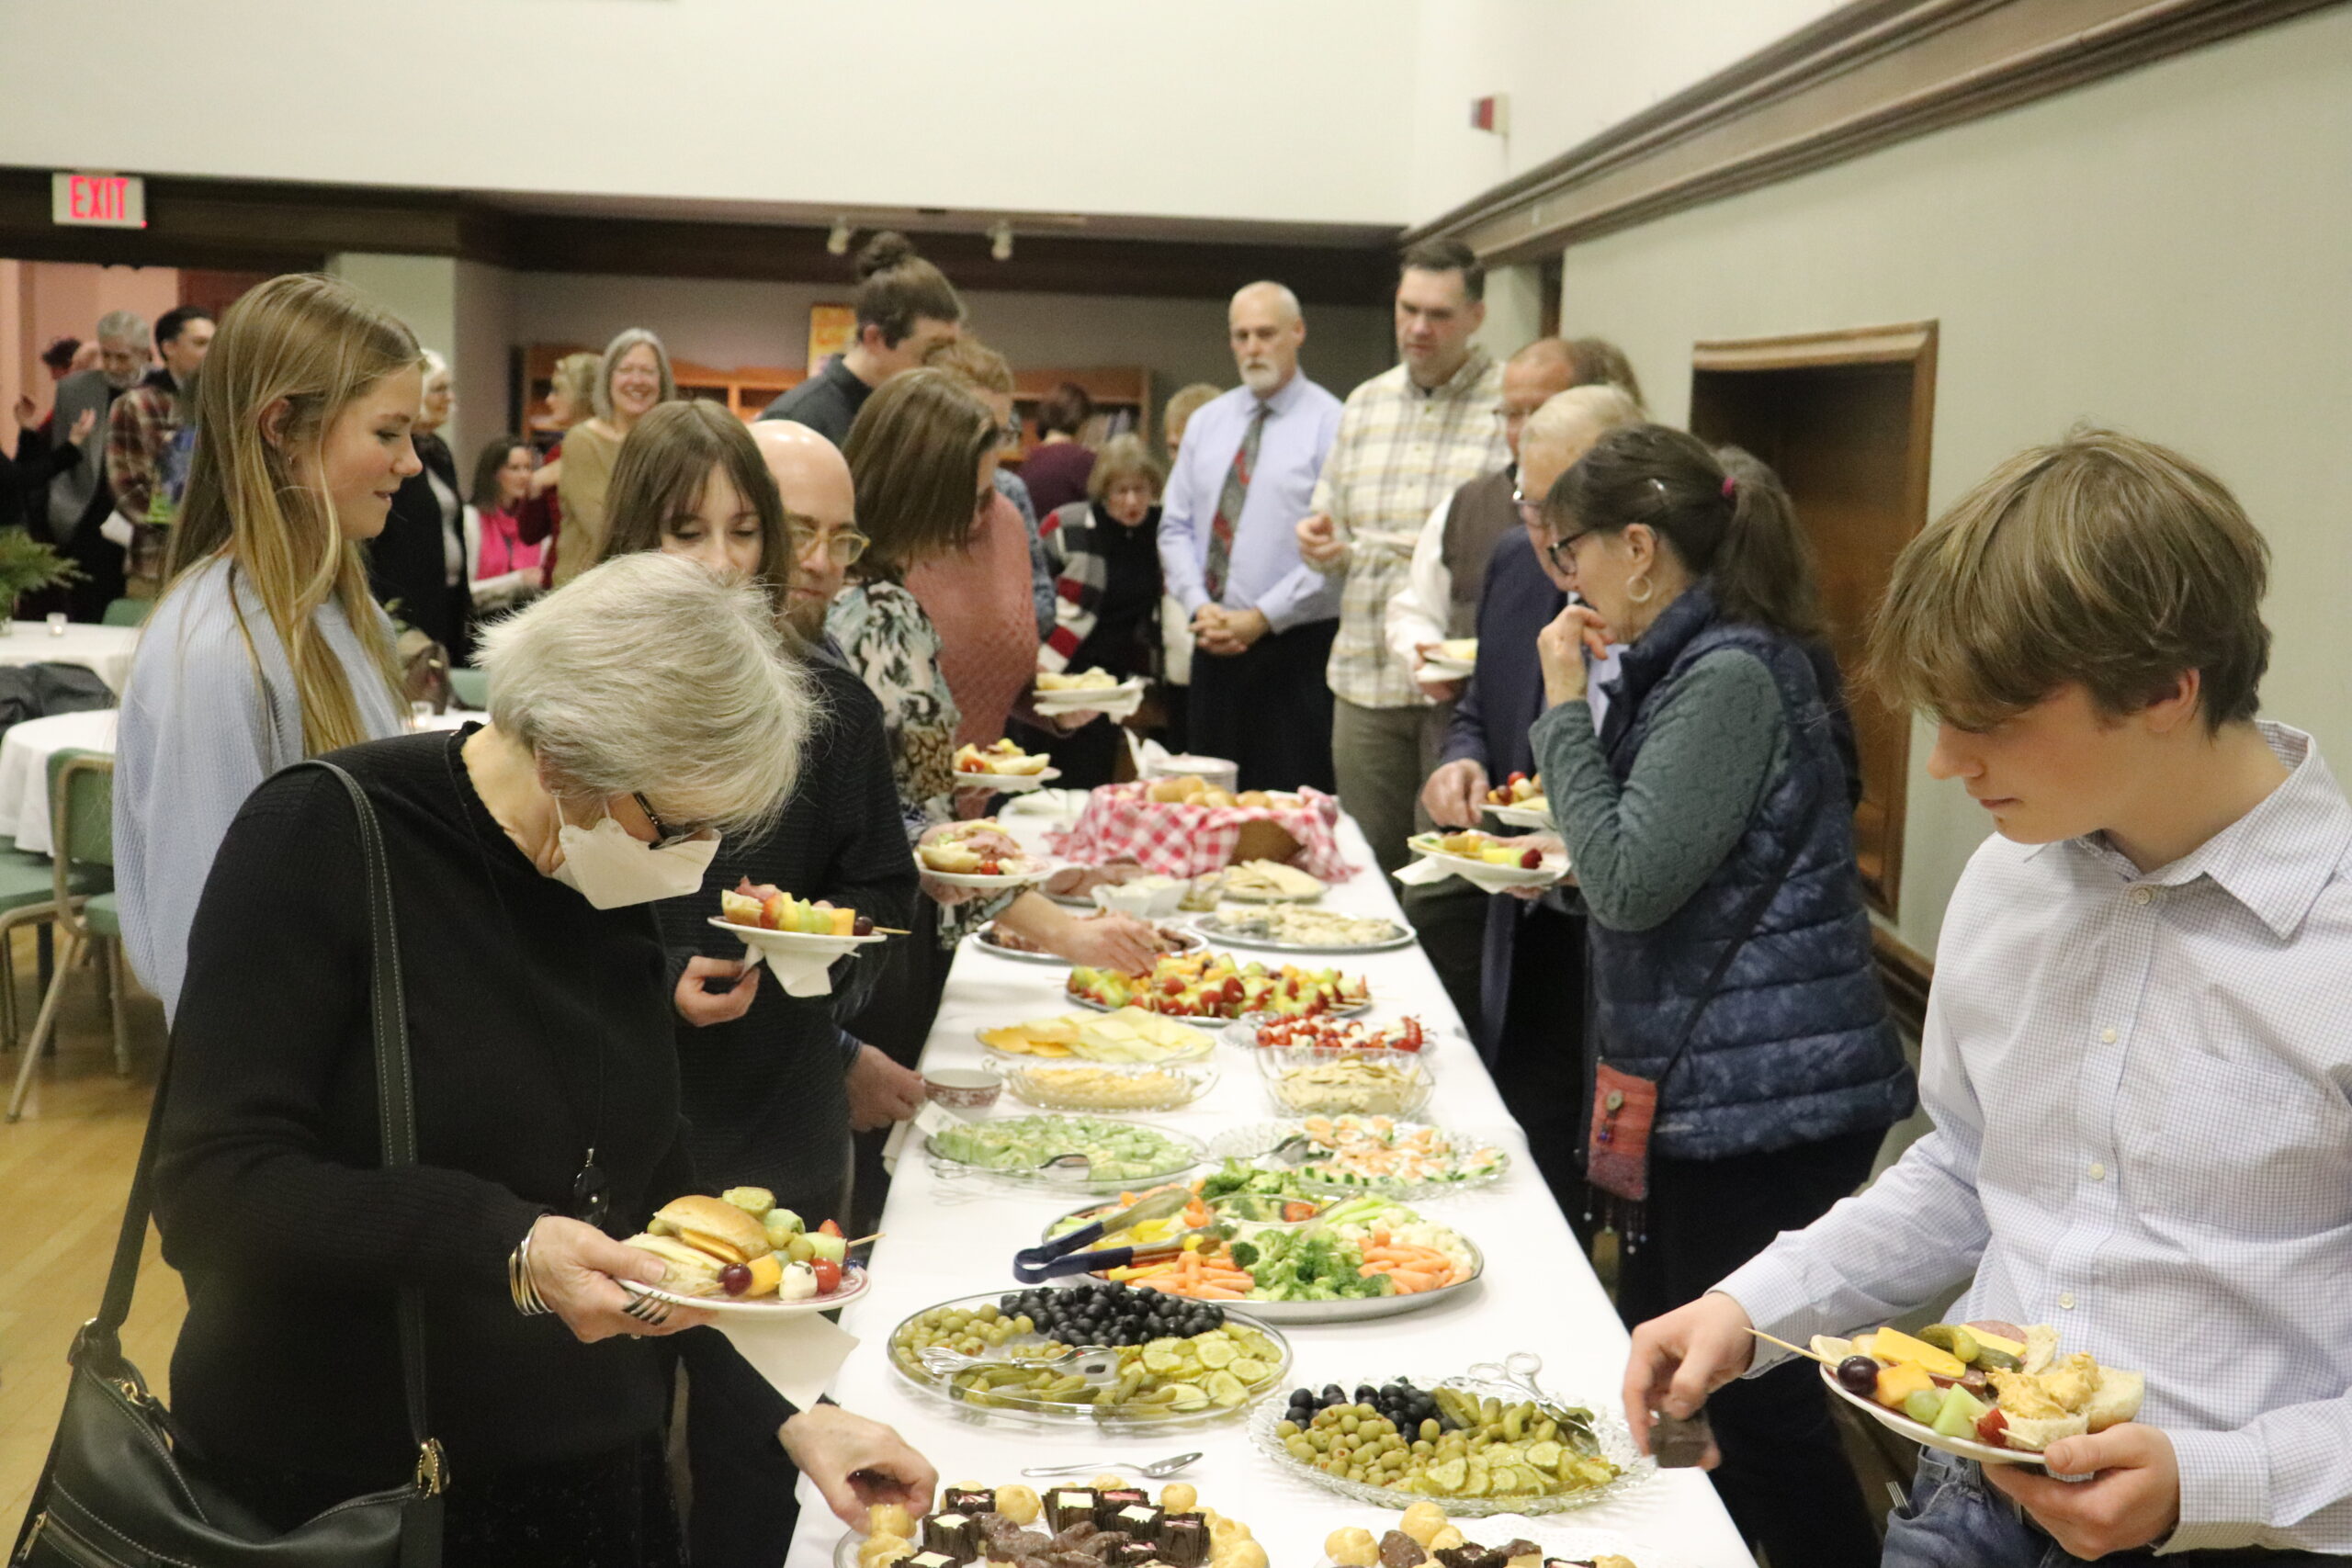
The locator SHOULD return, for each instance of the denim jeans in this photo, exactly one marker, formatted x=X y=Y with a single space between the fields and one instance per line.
x=1954 y=1519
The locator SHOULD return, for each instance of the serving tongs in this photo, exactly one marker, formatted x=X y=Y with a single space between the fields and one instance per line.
x=1070 y=1254
x=1097 y=1365
x=1515 y=1374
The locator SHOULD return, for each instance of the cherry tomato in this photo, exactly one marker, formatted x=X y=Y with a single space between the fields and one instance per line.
x=827 y=1272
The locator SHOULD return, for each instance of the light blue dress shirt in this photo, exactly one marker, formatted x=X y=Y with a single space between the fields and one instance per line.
x=1263 y=572
x=2141 y=1087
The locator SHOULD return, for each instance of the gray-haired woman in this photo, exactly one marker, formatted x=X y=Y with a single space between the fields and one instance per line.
x=546 y=1089
x=634 y=378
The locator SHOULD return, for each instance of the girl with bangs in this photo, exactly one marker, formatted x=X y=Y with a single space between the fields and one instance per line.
x=265 y=646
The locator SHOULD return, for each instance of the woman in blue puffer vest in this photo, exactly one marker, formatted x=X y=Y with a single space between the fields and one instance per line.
x=1710 y=815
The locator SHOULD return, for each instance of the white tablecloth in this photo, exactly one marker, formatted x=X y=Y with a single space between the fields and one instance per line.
x=106 y=649
x=25 y=751
x=953 y=1239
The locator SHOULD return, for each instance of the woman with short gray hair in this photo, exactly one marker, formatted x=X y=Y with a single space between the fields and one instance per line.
x=634 y=718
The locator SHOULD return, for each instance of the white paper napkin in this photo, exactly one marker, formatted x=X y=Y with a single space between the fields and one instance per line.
x=1115 y=703
x=802 y=973
x=798 y=1355
x=1437 y=868
x=933 y=1118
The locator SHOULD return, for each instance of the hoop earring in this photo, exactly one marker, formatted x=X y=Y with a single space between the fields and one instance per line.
x=1648 y=589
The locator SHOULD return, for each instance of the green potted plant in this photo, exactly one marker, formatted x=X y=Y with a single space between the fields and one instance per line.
x=26 y=566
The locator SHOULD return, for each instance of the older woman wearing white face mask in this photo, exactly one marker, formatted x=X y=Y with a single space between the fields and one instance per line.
x=546 y=1089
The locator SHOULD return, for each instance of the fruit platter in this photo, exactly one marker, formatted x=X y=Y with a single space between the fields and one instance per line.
x=1486 y=1441
x=1990 y=1391
x=1130 y=1034
x=1505 y=861
x=1519 y=801
x=1376 y=1153
x=1292 y=928
x=739 y=1252
x=1090 y=1152
x=1101 y=1354
x=1257 y=1237
x=1105 y=1521
x=978 y=853
x=994 y=938
x=1212 y=984
x=1313 y=1081
x=1003 y=767
x=1426 y=1538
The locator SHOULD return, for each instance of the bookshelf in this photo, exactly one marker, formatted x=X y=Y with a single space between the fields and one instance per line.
x=1122 y=397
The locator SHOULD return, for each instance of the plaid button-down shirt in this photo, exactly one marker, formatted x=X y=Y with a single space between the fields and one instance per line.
x=2141 y=1087
x=1399 y=451
x=139 y=426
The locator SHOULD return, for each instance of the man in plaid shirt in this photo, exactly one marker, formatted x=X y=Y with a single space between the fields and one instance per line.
x=1409 y=438
x=140 y=430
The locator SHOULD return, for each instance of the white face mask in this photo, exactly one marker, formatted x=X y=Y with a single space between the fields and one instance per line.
x=610 y=870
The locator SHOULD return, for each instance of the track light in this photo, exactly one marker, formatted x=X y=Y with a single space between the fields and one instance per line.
x=837 y=243
x=1000 y=240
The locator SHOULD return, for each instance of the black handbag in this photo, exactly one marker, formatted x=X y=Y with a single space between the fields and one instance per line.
x=115 y=1493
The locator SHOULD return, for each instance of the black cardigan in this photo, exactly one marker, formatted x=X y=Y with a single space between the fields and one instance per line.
x=292 y=1241
x=764 y=1095
x=408 y=562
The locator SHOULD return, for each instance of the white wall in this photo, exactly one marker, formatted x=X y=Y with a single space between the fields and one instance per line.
x=2163 y=252
x=1216 y=108
x=1573 y=68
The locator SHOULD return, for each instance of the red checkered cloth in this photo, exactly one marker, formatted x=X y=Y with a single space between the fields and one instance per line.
x=1119 y=823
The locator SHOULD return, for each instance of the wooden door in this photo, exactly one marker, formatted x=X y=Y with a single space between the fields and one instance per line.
x=1844 y=418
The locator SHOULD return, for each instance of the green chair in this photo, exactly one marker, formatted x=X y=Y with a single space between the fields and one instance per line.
x=81 y=804
x=469 y=686
x=126 y=612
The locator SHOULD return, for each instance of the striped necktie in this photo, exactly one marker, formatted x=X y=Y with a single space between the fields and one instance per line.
x=1228 y=506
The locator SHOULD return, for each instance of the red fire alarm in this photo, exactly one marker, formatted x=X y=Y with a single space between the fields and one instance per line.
x=1491 y=113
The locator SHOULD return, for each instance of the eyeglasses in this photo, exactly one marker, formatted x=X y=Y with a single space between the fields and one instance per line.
x=664 y=834
x=842 y=546
x=1565 y=565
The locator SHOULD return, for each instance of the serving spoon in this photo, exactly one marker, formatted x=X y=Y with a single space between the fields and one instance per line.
x=1158 y=1469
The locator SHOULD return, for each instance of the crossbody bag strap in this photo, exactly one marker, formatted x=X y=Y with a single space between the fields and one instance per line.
x=395 y=1086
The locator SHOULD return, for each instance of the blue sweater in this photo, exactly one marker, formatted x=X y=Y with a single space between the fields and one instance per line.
x=204 y=721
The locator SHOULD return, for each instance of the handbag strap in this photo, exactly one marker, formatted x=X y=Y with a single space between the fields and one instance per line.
x=396 y=1110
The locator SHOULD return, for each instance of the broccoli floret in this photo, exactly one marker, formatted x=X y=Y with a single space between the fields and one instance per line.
x=1245 y=1254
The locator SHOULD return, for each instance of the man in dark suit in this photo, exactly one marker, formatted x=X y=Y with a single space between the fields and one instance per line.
x=80 y=499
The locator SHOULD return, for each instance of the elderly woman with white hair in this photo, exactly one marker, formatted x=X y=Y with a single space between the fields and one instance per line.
x=522 y=854
x=632 y=380
x=416 y=568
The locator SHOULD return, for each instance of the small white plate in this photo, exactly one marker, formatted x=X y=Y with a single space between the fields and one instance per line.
x=1522 y=817
x=1451 y=668
x=1236 y=896
x=794 y=944
x=1029 y=878
x=1555 y=867
x=1007 y=783
x=855 y=1280
x=1901 y=1426
x=1082 y=698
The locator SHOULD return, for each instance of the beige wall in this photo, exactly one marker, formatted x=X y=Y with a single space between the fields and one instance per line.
x=46 y=300
x=2163 y=251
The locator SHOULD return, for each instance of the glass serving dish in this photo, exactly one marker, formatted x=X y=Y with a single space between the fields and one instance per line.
x=1372 y=1154
x=1014 y=1150
x=1307 y=1080
x=1508 y=1384
x=1069 y=1085
x=1136 y=1400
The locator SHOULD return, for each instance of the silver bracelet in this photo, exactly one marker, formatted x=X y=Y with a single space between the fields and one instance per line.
x=519 y=1284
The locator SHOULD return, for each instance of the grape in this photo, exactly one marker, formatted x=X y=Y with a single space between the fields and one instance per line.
x=735 y=1279
x=862 y=926
x=1860 y=1374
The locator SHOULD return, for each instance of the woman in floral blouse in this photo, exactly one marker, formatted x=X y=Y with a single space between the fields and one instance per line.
x=923 y=454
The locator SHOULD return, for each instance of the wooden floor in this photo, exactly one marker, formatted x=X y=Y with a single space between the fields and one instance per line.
x=64 y=1174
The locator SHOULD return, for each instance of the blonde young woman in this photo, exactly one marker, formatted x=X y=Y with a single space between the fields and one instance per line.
x=634 y=379
x=265 y=646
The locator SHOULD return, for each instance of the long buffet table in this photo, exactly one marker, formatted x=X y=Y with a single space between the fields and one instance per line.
x=947 y=1239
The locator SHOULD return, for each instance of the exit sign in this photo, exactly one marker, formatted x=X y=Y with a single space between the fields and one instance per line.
x=104 y=201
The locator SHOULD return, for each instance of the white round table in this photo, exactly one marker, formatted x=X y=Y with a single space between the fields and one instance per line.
x=106 y=649
x=25 y=751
